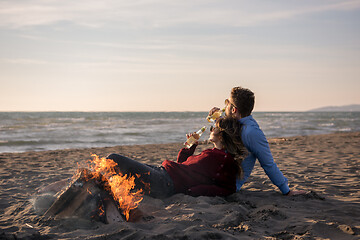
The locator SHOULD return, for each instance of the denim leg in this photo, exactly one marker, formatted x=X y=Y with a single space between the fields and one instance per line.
x=128 y=166
x=161 y=185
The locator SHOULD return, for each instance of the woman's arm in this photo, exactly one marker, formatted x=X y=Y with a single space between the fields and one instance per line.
x=184 y=153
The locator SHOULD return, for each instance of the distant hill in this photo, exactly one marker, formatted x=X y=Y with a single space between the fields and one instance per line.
x=346 y=108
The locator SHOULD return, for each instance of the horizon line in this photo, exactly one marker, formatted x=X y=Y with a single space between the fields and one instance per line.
x=148 y=111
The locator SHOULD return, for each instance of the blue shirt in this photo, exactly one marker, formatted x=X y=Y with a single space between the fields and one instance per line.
x=255 y=142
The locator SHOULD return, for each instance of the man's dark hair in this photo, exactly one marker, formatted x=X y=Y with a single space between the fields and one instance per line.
x=244 y=100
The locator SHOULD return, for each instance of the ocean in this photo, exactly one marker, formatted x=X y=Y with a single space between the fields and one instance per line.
x=37 y=131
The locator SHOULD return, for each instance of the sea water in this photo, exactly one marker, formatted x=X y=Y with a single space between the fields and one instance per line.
x=36 y=131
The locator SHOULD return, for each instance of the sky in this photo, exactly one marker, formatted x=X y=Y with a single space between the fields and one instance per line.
x=178 y=55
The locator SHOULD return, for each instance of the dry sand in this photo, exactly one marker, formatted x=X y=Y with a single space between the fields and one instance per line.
x=326 y=165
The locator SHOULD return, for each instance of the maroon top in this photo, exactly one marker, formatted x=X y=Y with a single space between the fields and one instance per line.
x=211 y=173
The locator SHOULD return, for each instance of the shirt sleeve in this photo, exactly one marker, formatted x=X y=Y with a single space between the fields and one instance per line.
x=184 y=153
x=247 y=167
x=259 y=146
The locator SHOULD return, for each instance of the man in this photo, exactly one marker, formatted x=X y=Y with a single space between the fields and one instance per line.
x=240 y=105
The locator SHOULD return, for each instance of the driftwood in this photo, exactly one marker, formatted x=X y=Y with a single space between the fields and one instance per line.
x=85 y=197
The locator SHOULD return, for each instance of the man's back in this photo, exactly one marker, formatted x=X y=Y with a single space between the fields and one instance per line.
x=255 y=142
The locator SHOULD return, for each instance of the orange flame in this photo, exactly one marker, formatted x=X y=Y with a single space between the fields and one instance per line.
x=101 y=210
x=120 y=186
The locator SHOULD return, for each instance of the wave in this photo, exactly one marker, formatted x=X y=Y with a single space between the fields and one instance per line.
x=56 y=130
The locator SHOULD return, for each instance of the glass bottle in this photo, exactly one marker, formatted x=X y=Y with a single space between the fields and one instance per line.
x=215 y=115
x=195 y=137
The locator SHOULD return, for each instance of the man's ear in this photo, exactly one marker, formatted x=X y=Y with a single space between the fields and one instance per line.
x=234 y=110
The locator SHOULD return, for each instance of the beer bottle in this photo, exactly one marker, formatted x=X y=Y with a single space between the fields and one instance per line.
x=215 y=115
x=195 y=137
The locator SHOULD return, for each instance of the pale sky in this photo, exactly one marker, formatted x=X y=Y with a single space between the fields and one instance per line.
x=170 y=55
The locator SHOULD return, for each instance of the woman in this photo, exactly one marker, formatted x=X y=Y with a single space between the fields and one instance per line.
x=211 y=173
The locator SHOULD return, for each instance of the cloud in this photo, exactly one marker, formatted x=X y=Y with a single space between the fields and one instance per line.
x=304 y=10
x=158 y=13
x=33 y=13
x=26 y=61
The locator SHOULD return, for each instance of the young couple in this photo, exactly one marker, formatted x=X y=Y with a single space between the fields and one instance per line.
x=238 y=141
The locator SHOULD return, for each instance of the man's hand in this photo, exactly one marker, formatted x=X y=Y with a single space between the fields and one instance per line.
x=296 y=192
x=214 y=109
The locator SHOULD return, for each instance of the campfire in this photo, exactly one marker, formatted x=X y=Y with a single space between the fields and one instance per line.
x=120 y=186
x=99 y=193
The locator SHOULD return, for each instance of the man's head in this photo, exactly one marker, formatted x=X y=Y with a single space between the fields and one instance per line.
x=241 y=102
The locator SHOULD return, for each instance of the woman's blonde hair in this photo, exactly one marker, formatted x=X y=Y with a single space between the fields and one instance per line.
x=230 y=135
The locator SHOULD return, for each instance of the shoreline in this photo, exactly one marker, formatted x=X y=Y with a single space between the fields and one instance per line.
x=24 y=132
x=327 y=166
x=271 y=140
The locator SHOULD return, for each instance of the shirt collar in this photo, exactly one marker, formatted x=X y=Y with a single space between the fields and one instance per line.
x=245 y=119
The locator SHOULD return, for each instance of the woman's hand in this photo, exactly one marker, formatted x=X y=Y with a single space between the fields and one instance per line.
x=195 y=135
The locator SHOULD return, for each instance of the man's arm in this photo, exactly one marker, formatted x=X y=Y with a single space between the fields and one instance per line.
x=260 y=148
x=247 y=167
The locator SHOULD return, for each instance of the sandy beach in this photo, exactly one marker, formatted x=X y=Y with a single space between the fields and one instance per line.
x=327 y=166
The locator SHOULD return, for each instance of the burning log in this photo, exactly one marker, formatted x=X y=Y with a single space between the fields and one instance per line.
x=121 y=187
x=99 y=194
x=86 y=198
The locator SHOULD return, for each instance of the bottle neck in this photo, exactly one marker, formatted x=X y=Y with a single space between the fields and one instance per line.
x=201 y=131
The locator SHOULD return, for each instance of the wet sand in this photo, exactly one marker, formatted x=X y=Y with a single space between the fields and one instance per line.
x=327 y=166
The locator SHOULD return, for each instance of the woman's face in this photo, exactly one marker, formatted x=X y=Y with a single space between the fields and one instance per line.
x=214 y=135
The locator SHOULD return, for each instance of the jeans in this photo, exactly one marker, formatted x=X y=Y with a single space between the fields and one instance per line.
x=161 y=185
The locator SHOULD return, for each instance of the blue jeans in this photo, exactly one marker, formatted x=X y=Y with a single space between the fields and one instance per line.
x=161 y=185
